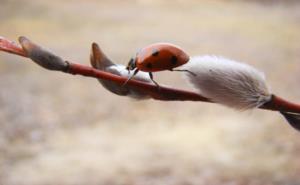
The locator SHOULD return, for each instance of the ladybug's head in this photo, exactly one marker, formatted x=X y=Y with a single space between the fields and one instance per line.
x=131 y=64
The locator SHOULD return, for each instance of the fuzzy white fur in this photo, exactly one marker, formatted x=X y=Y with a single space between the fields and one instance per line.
x=121 y=70
x=228 y=82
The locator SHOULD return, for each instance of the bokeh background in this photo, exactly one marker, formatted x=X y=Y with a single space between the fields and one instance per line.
x=68 y=130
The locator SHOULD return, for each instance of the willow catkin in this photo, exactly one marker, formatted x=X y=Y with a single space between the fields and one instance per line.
x=228 y=82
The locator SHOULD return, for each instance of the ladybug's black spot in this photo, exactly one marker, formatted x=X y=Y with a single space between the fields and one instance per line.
x=174 y=60
x=149 y=65
x=155 y=52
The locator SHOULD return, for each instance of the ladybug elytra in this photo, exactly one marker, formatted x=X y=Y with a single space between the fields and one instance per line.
x=157 y=57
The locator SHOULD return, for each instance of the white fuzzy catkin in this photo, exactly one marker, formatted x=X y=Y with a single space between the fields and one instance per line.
x=228 y=82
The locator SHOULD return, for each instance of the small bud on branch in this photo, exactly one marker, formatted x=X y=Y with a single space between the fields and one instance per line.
x=42 y=57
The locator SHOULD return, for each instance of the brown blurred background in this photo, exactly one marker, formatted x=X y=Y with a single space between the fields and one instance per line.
x=68 y=130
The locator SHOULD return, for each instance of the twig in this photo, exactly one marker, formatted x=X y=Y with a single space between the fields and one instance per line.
x=10 y=47
x=35 y=52
x=163 y=93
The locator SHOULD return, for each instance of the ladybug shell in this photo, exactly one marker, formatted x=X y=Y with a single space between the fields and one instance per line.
x=159 y=57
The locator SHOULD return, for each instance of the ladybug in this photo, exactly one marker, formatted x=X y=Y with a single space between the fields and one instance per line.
x=158 y=57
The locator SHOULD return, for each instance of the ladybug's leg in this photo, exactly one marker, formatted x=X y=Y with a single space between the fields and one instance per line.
x=184 y=70
x=151 y=77
x=134 y=73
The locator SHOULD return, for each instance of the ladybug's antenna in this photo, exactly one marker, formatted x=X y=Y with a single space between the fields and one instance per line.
x=184 y=70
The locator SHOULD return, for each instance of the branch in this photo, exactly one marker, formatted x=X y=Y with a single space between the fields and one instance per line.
x=48 y=60
x=163 y=93
x=10 y=47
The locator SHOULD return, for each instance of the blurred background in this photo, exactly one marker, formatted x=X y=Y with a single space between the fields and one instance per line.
x=68 y=130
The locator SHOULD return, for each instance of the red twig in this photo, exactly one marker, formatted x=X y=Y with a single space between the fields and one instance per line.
x=280 y=104
x=11 y=47
x=164 y=93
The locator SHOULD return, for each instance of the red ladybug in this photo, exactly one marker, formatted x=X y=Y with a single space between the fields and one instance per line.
x=157 y=57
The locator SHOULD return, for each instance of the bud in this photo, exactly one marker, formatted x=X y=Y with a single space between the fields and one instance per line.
x=42 y=56
x=101 y=62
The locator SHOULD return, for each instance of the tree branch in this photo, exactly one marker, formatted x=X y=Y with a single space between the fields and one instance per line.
x=50 y=61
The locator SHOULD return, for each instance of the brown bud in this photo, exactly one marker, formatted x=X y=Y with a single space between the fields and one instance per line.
x=42 y=56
